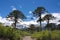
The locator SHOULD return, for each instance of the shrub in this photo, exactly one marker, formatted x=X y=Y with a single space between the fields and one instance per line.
x=10 y=33
x=47 y=35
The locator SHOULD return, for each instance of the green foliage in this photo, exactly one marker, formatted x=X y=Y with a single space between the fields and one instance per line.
x=7 y=32
x=15 y=15
x=26 y=33
x=51 y=26
x=32 y=28
x=1 y=24
x=38 y=12
x=23 y=33
x=12 y=34
x=47 y=35
x=48 y=17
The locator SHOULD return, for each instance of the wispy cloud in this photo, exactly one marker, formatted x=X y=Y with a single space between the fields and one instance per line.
x=5 y=21
x=13 y=7
x=30 y=12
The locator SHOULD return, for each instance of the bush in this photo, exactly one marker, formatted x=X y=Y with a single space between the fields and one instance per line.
x=10 y=33
x=47 y=35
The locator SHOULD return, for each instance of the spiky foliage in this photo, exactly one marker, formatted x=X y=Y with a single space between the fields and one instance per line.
x=15 y=15
x=37 y=12
x=48 y=17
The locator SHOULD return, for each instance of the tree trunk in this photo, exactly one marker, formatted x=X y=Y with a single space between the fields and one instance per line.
x=15 y=23
x=48 y=24
x=40 y=29
x=48 y=21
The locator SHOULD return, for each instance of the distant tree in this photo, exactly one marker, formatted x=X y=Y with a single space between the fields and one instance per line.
x=58 y=27
x=37 y=13
x=51 y=26
x=15 y=15
x=32 y=28
x=37 y=28
x=48 y=17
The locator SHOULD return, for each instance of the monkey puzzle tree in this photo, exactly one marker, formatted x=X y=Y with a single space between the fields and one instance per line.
x=48 y=17
x=15 y=15
x=37 y=13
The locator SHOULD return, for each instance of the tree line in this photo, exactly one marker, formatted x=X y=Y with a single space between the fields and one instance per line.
x=39 y=32
x=38 y=12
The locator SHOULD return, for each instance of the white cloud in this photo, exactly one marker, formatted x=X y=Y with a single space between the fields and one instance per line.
x=30 y=12
x=27 y=23
x=57 y=15
x=13 y=7
x=4 y=21
x=28 y=16
x=31 y=22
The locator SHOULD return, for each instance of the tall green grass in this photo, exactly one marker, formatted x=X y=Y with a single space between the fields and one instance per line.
x=47 y=35
x=12 y=34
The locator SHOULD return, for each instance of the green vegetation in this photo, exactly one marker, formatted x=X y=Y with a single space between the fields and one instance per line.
x=11 y=34
x=16 y=34
x=7 y=32
x=47 y=35
x=51 y=31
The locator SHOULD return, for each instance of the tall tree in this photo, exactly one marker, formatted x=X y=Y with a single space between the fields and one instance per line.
x=58 y=27
x=51 y=26
x=32 y=28
x=37 y=13
x=48 y=17
x=15 y=15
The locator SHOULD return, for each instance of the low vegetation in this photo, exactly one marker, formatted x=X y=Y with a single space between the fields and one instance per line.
x=47 y=35
x=11 y=34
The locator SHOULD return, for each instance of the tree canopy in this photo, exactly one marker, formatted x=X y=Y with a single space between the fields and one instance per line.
x=15 y=15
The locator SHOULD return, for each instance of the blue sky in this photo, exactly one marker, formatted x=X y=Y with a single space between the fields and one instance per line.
x=26 y=6
x=53 y=6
